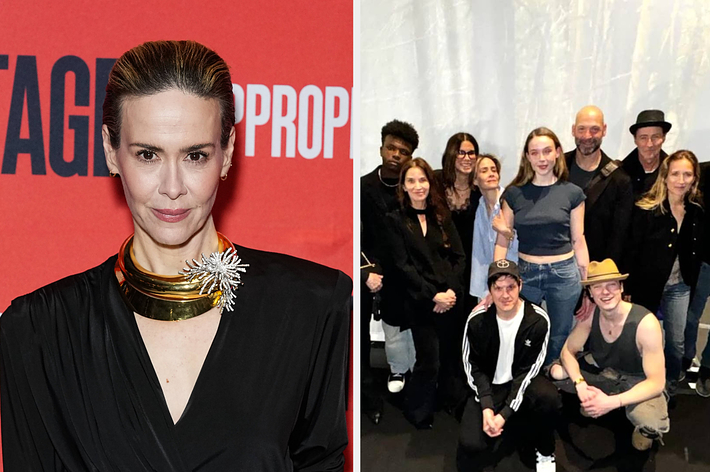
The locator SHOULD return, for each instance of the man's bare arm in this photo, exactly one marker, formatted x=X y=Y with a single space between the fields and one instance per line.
x=650 y=342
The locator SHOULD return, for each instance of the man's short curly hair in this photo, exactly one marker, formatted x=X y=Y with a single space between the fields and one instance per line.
x=401 y=130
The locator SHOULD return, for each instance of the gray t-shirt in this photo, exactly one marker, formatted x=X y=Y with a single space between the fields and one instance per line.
x=542 y=216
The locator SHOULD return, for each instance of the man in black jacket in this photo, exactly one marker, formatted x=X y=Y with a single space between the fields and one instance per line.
x=642 y=163
x=503 y=350
x=607 y=209
x=378 y=196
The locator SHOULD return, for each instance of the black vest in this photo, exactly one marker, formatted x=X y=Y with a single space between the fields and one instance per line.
x=621 y=355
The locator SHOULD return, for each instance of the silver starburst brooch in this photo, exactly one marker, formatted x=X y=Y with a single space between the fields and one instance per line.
x=220 y=271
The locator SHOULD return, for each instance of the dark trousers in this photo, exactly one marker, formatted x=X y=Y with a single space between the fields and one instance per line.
x=438 y=372
x=532 y=425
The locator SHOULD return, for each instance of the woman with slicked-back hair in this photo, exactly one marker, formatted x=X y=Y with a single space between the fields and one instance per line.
x=184 y=351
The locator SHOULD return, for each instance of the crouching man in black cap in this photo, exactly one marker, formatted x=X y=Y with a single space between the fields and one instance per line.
x=504 y=348
x=624 y=365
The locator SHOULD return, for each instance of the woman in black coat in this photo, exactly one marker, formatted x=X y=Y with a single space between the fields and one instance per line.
x=427 y=252
x=664 y=252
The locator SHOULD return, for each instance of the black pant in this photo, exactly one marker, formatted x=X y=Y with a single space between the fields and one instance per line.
x=438 y=371
x=532 y=425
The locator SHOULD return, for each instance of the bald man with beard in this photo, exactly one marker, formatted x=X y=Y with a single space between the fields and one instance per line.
x=608 y=188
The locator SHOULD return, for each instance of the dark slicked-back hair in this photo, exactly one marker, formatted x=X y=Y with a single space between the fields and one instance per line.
x=403 y=131
x=158 y=66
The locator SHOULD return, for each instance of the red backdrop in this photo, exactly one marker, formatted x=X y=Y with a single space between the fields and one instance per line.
x=291 y=188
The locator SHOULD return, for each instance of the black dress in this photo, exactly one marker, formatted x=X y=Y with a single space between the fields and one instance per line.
x=79 y=391
x=463 y=219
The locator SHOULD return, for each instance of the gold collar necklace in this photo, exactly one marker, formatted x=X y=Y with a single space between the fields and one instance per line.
x=197 y=289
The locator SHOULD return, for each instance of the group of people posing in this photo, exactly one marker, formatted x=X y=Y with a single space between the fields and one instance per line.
x=457 y=266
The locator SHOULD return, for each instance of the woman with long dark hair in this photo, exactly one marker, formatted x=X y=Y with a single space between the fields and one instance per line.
x=429 y=258
x=664 y=252
x=548 y=214
x=456 y=185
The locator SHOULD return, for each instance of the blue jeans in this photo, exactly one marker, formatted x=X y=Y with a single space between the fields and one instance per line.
x=399 y=349
x=695 y=311
x=674 y=305
x=559 y=285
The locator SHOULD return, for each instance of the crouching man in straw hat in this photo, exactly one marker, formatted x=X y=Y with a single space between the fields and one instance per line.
x=624 y=366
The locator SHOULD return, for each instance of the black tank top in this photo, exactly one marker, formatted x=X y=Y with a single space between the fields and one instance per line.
x=621 y=355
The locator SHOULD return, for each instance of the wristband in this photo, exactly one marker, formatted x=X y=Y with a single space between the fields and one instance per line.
x=579 y=381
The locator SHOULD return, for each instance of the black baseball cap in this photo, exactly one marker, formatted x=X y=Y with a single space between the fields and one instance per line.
x=503 y=267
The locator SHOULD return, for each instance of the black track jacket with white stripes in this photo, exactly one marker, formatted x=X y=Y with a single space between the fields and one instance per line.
x=481 y=344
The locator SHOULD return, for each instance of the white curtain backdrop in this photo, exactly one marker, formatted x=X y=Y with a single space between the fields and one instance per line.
x=500 y=68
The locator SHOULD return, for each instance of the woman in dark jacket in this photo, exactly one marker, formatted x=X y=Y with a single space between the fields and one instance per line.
x=664 y=251
x=455 y=184
x=429 y=258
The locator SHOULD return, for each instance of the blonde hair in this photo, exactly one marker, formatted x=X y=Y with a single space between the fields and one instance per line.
x=654 y=198
x=526 y=172
x=158 y=66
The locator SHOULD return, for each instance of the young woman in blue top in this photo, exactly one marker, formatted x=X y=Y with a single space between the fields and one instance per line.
x=548 y=214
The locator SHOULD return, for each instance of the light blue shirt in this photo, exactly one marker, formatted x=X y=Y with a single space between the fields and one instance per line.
x=484 y=240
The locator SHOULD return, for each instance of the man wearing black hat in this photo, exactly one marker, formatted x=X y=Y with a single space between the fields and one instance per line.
x=642 y=163
x=623 y=365
x=503 y=350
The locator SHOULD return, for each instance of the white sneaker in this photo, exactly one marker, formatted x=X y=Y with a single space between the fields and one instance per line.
x=545 y=463
x=395 y=383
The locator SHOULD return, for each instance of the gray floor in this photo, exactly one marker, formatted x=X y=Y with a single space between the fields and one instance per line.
x=582 y=444
x=394 y=445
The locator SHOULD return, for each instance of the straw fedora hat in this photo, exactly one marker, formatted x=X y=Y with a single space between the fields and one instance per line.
x=604 y=271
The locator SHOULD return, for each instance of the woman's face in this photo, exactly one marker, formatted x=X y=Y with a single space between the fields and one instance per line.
x=170 y=161
x=417 y=186
x=465 y=160
x=681 y=177
x=487 y=177
x=542 y=155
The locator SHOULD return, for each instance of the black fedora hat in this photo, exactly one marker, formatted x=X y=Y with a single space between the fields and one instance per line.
x=650 y=118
